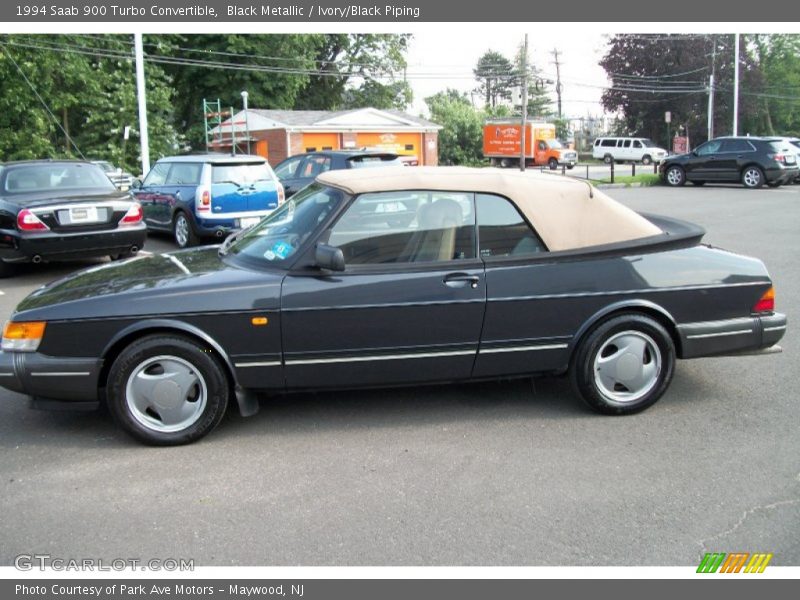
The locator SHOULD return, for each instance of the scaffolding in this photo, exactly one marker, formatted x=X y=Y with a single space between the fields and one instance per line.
x=216 y=120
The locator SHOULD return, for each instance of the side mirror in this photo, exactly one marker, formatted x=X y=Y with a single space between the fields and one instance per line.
x=136 y=184
x=329 y=257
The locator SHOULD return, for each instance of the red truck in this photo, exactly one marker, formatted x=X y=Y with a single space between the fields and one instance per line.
x=501 y=141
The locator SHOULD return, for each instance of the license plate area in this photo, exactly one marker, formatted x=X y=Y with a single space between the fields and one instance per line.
x=82 y=215
x=246 y=222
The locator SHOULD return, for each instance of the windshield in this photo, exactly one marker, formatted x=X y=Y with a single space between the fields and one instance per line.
x=278 y=236
x=241 y=173
x=55 y=177
x=365 y=162
x=554 y=143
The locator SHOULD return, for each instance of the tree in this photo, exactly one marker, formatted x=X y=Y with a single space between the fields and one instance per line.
x=496 y=76
x=778 y=58
x=350 y=69
x=460 y=140
x=652 y=74
x=273 y=69
x=539 y=103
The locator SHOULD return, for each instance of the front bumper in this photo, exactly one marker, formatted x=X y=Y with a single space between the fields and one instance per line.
x=731 y=336
x=50 y=245
x=50 y=381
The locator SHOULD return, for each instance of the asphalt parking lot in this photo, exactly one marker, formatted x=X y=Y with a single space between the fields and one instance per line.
x=509 y=473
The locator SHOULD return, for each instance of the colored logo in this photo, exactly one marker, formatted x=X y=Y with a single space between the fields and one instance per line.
x=736 y=562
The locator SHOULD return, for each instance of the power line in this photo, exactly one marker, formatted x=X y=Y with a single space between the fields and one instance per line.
x=47 y=108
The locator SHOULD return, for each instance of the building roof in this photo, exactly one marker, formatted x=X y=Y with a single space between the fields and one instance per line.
x=567 y=213
x=359 y=119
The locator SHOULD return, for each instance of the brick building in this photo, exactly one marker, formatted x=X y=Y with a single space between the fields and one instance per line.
x=278 y=134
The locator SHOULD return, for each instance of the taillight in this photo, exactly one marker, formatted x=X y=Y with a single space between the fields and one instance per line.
x=133 y=216
x=27 y=221
x=281 y=195
x=766 y=303
x=203 y=200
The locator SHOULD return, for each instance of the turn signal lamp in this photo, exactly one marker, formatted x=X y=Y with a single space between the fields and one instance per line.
x=281 y=195
x=766 y=303
x=23 y=337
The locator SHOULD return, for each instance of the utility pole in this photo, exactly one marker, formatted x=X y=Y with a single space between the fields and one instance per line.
x=736 y=87
x=140 y=92
x=524 y=105
x=246 y=122
x=711 y=88
x=558 y=78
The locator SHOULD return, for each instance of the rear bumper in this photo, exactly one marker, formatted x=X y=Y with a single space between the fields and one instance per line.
x=731 y=336
x=50 y=245
x=208 y=225
x=51 y=381
x=782 y=175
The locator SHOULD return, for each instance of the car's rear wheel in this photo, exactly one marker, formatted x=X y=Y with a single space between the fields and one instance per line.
x=624 y=364
x=675 y=176
x=752 y=177
x=167 y=390
x=647 y=160
x=182 y=231
x=553 y=164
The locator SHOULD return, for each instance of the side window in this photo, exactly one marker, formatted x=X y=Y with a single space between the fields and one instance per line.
x=609 y=143
x=626 y=143
x=406 y=227
x=287 y=169
x=184 y=174
x=315 y=165
x=158 y=174
x=709 y=147
x=501 y=229
x=542 y=146
x=736 y=146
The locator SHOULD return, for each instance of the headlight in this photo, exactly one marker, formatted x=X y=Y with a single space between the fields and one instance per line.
x=23 y=337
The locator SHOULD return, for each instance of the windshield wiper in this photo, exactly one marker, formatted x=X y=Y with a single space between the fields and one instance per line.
x=229 y=241
x=236 y=183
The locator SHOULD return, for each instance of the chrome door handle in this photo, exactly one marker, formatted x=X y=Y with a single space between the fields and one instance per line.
x=458 y=280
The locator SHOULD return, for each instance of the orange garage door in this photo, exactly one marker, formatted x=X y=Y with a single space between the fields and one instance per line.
x=406 y=144
x=320 y=141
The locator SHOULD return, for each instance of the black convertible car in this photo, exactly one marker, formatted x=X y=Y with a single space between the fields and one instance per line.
x=499 y=274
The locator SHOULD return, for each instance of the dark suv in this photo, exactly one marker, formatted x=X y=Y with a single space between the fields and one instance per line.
x=298 y=171
x=753 y=161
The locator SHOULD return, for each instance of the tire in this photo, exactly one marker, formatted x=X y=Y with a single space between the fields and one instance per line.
x=570 y=167
x=698 y=183
x=773 y=184
x=177 y=371
x=608 y=159
x=182 y=231
x=553 y=164
x=675 y=176
x=647 y=160
x=505 y=163
x=623 y=365
x=752 y=177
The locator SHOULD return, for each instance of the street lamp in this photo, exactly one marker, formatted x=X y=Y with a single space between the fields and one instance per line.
x=246 y=123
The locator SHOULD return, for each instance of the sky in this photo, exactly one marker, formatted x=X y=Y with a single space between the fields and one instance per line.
x=436 y=63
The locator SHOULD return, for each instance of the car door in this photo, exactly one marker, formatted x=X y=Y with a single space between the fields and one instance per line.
x=625 y=151
x=704 y=163
x=734 y=155
x=149 y=193
x=287 y=173
x=178 y=191
x=520 y=335
x=407 y=309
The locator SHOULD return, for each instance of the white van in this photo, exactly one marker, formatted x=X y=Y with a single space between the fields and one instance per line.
x=625 y=148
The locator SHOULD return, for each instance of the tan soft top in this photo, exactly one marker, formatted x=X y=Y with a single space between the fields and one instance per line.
x=567 y=213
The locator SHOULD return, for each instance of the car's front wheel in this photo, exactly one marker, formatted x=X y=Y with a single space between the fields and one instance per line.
x=752 y=177
x=624 y=364
x=647 y=160
x=608 y=159
x=167 y=390
x=182 y=231
x=675 y=176
x=553 y=164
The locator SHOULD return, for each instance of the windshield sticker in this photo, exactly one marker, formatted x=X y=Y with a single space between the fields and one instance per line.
x=282 y=249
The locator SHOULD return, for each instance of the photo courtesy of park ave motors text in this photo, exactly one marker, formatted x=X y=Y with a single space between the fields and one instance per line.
x=496 y=296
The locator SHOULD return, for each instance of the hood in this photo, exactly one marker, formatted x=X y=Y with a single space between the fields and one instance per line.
x=183 y=282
